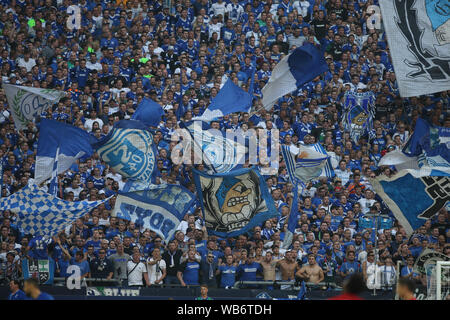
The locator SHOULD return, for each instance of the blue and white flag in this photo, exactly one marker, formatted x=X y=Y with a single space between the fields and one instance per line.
x=218 y=152
x=229 y=99
x=148 y=112
x=43 y=214
x=327 y=170
x=432 y=142
x=233 y=203
x=26 y=103
x=73 y=143
x=303 y=164
x=413 y=198
x=129 y=150
x=160 y=209
x=297 y=68
x=293 y=219
x=418 y=33
x=359 y=112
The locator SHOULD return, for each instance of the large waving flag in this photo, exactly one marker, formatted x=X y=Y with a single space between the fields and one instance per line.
x=160 y=209
x=233 y=203
x=43 y=214
x=26 y=103
x=431 y=141
x=302 y=65
x=129 y=150
x=230 y=99
x=359 y=113
x=430 y=194
x=304 y=164
x=218 y=152
x=72 y=142
x=418 y=33
x=148 y=112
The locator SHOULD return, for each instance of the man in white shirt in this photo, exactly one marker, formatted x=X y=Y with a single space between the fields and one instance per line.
x=137 y=272
x=343 y=172
x=219 y=8
x=89 y=122
x=93 y=64
x=367 y=202
x=26 y=62
x=156 y=267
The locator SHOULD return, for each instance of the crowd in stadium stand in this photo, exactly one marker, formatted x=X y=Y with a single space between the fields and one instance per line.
x=179 y=54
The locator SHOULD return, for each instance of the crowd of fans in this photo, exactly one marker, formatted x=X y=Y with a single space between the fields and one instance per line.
x=179 y=55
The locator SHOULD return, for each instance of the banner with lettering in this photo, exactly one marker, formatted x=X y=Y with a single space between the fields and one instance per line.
x=160 y=209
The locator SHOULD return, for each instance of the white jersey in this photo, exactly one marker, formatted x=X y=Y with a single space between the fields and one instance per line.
x=155 y=271
x=135 y=273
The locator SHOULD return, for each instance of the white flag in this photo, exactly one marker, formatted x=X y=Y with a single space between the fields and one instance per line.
x=418 y=33
x=26 y=103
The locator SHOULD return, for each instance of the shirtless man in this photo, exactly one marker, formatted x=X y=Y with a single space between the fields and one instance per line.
x=268 y=264
x=311 y=272
x=287 y=266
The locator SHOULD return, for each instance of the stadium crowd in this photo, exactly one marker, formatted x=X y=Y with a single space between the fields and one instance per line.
x=179 y=54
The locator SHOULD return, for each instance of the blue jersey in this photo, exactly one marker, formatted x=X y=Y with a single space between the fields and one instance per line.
x=350 y=267
x=228 y=276
x=45 y=296
x=38 y=246
x=247 y=272
x=191 y=272
x=18 y=295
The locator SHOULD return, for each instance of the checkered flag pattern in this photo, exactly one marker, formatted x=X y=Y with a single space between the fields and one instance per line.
x=41 y=213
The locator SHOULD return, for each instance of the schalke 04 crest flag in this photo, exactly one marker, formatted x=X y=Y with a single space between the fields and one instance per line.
x=235 y=202
x=359 y=111
x=160 y=209
x=26 y=103
x=413 y=198
x=129 y=150
x=418 y=33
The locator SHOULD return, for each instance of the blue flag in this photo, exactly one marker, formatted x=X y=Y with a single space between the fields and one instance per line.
x=430 y=194
x=129 y=150
x=431 y=141
x=74 y=143
x=149 y=112
x=230 y=99
x=294 y=70
x=43 y=214
x=359 y=112
x=160 y=209
x=233 y=203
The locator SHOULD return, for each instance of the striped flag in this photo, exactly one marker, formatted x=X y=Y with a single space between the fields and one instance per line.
x=303 y=164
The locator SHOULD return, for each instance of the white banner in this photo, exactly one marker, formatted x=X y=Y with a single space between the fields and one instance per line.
x=418 y=33
x=26 y=103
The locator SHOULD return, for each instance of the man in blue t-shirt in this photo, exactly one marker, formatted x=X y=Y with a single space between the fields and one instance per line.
x=32 y=290
x=248 y=270
x=16 y=293
x=38 y=247
x=228 y=273
x=350 y=266
x=188 y=273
